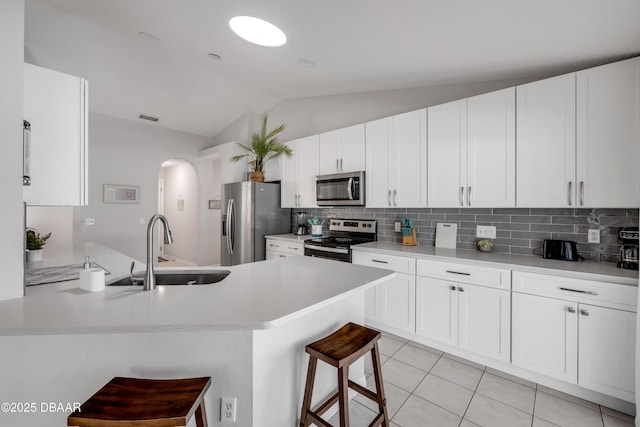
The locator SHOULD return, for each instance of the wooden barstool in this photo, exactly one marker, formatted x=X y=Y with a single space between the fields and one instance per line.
x=128 y=402
x=341 y=349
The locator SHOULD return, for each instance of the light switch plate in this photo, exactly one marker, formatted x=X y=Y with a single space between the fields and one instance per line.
x=486 y=232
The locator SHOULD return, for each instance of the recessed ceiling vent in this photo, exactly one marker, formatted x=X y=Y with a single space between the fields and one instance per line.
x=150 y=118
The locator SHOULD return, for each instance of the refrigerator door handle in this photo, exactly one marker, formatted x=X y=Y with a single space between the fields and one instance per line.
x=227 y=230
x=232 y=228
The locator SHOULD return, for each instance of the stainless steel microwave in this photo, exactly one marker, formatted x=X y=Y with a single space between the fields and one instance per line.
x=340 y=189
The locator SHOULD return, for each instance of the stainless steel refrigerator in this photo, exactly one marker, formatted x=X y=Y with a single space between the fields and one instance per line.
x=251 y=211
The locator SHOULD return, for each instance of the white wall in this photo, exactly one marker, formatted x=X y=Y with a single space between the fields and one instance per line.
x=127 y=153
x=57 y=221
x=310 y=116
x=11 y=208
x=181 y=183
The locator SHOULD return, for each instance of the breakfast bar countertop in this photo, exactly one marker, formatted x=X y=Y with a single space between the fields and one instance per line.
x=260 y=295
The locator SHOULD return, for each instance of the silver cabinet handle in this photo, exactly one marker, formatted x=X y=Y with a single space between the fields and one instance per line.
x=293 y=248
x=389 y=198
x=395 y=197
x=571 y=310
x=570 y=199
x=458 y=272
x=460 y=289
x=584 y=312
x=380 y=261
x=271 y=245
x=453 y=288
x=581 y=193
x=579 y=291
x=461 y=196
x=469 y=196
x=340 y=165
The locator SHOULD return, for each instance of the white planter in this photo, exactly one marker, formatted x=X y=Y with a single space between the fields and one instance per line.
x=34 y=255
x=316 y=231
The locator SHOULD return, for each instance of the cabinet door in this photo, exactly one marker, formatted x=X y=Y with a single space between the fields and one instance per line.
x=351 y=149
x=484 y=324
x=606 y=354
x=398 y=302
x=546 y=141
x=545 y=336
x=447 y=153
x=491 y=144
x=437 y=310
x=410 y=160
x=307 y=170
x=378 y=152
x=328 y=157
x=288 y=183
x=55 y=104
x=608 y=135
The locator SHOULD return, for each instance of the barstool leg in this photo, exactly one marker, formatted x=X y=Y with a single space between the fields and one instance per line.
x=201 y=415
x=343 y=395
x=308 y=391
x=377 y=375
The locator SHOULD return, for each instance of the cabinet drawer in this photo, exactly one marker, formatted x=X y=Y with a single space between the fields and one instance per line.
x=491 y=277
x=579 y=290
x=294 y=248
x=390 y=262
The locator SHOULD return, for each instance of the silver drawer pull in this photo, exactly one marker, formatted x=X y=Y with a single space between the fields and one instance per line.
x=584 y=312
x=293 y=248
x=381 y=262
x=458 y=272
x=579 y=291
x=571 y=310
x=460 y=289
x=453 y=288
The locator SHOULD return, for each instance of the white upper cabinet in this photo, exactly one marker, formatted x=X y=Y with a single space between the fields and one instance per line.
x=396 y=161
x=546 y=143
x=472 y=151
x=298 y=184
x=56 y=106
x=342 y=150
x=608 y=135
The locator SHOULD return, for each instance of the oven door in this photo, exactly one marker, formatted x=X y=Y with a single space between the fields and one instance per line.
x=338 y=254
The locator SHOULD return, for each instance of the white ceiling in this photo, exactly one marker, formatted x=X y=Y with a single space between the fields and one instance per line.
x=357 y=46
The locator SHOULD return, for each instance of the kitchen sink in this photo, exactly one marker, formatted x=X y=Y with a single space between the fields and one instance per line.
x=178 y=277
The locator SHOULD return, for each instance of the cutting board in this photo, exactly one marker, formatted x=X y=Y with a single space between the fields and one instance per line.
x=446 y=235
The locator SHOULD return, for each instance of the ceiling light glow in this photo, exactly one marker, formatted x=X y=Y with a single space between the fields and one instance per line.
x=258 y=31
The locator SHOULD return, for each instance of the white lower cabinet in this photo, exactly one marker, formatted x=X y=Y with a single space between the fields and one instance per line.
x=277 y=248
x=474 y=318
x=391 y=303
x=559 y=331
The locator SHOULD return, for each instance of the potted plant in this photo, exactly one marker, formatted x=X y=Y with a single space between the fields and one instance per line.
x=35 y=243
x=484 y=245
x=264 y=147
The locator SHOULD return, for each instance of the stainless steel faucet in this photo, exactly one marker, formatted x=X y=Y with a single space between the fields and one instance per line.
x=149 y=277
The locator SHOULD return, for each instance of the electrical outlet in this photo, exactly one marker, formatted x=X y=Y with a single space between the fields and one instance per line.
x=486 y=231
x=89 y=221
x=398 y=229
x=143 y=220
x=228 y=409
x=594 y=236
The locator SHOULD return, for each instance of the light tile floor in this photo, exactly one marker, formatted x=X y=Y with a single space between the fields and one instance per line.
x=426 y=387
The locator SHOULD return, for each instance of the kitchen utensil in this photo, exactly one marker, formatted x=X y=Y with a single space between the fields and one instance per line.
x=446 y=235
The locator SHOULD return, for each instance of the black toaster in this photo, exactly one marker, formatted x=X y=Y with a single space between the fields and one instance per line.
x=564 y=250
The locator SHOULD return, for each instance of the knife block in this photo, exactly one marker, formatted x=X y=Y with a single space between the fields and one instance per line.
x=410 y=240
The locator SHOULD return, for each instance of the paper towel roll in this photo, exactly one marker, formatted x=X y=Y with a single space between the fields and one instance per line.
x=92 y=279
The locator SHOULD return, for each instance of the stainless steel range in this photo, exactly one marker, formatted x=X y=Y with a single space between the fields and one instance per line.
x=343 y=233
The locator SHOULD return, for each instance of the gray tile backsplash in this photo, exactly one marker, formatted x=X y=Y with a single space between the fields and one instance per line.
x=519 y=230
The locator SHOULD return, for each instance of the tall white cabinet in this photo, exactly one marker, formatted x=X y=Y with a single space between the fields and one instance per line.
x=396 y=161
x=56 y=106
x=298 y=184
x=472 y=151
x=546 y=143
x=608 y=135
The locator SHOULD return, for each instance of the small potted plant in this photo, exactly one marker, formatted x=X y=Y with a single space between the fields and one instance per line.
x=264 y=147
x=484 y=245
x=35 y=243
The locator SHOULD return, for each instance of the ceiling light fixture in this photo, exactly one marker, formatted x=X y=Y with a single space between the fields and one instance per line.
x=257 y=31
x=150 y=118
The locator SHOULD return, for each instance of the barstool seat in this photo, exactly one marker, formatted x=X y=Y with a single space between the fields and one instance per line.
x=130 y=402
x=341 y=349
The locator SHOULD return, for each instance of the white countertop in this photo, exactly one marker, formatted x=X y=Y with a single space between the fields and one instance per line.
x=290 y=237
x=259 y=295
x=589 y=270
